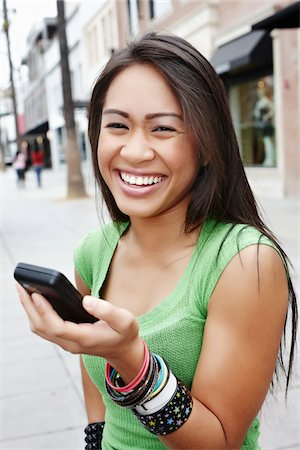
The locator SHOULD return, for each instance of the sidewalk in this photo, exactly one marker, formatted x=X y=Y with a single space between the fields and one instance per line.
x=41 y=399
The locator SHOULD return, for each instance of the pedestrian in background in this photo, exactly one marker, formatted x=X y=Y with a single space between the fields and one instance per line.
x=190 y=287
x=19 y=165
x=37 y=158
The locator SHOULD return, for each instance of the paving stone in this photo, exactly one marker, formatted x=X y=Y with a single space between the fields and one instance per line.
x=40 y=413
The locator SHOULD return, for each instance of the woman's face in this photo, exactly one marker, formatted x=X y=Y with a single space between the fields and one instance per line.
x=144 y=154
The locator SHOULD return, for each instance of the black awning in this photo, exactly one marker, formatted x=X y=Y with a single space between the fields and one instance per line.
x=288 y=17
x=252 y=49
x=39 y=129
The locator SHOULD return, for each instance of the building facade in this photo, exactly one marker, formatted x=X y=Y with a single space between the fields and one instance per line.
x=35 y=96
x=257 y=56
x=92 y=35
x=253 y=46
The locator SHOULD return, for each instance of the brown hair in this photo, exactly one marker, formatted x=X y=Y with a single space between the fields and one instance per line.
x=221 y=189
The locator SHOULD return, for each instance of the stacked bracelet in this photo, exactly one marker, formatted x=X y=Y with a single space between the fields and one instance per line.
x=160 y=401
x=93 y=437
x=172 y=416
x=143 y=389
x=132 y=385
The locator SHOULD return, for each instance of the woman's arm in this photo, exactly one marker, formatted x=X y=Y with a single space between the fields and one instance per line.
x=242 y=334
x=94 y=405
x=95 y=409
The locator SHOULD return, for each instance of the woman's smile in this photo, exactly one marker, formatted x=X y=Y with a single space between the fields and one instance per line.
x=141 y=180
x=139 y=185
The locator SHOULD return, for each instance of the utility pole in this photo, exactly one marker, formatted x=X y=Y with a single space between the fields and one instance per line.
x=123 y=22
x=11 y=73
x=76 y=186
x=2 y=153
x=143 y=16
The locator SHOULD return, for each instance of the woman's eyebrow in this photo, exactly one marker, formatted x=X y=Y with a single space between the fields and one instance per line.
x=164 y=114
x=148 y=116
x=115 y=111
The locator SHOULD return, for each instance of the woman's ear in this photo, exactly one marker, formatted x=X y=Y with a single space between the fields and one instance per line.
x=203 y=161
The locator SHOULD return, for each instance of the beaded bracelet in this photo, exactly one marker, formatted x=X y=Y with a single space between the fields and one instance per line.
x=93 y=437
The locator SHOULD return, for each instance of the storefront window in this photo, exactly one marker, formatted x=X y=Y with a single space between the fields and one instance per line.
x=252 y=108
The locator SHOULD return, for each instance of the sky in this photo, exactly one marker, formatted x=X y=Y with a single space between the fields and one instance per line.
x=22 y=15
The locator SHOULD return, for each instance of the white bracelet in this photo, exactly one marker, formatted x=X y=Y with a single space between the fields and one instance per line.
x=159 y=401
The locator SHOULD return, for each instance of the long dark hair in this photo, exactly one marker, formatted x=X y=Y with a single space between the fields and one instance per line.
x=221 y=189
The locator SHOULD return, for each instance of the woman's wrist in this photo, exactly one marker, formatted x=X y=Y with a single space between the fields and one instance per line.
x=130 y=362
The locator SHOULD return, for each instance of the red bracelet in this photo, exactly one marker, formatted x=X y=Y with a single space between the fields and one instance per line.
x=136 y=380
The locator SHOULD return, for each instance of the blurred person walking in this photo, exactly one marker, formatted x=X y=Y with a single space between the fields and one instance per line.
x=37 y=157
x=19 y=165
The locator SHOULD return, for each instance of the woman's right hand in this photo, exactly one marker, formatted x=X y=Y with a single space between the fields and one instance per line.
x=114 y=336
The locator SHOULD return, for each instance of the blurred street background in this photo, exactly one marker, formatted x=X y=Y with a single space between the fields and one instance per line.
x=51 y=52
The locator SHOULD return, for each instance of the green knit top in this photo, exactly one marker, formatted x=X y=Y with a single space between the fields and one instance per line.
x=174 y=328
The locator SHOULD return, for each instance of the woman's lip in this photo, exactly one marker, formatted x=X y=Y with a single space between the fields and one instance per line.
x=137 y=173
x=136 y=190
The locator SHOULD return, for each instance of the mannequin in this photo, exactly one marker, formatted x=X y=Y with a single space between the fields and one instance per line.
x=264 y=114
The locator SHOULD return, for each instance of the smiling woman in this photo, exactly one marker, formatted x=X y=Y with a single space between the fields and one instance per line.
x=185 y=276
x=143 y=146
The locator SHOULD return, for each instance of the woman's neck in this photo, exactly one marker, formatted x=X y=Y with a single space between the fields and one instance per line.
x=156 y=236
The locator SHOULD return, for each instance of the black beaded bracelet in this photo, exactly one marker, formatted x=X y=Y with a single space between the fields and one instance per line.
x=93 y=437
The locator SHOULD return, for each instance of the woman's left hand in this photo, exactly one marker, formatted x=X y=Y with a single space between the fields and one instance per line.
x=114 y=337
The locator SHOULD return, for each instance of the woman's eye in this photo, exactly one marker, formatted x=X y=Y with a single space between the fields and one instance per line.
x=163 y=128
x=116 y=125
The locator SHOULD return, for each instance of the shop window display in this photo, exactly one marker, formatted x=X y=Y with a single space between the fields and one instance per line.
x=253 y=113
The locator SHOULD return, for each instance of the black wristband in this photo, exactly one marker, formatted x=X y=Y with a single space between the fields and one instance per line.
x=171 y=416
x=93 y=437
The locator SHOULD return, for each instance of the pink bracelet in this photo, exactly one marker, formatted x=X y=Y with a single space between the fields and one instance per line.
x=136 y=380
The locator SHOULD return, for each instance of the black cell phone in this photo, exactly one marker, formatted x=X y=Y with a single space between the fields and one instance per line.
x=56 y=288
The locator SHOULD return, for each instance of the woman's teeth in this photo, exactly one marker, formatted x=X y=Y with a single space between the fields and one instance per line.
x=140 y=181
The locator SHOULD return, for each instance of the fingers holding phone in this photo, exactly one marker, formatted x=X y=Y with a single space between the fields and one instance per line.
x=109 y=336
x=30 y=307
x=100 y=329
x=120 y=320
x=43 y=319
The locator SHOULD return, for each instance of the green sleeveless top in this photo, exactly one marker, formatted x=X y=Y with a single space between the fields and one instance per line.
x=174 y=328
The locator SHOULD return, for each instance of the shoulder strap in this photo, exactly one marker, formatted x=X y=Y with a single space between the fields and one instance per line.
x=91 y=254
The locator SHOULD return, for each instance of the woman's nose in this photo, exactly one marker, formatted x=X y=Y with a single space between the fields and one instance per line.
x=137 y=149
